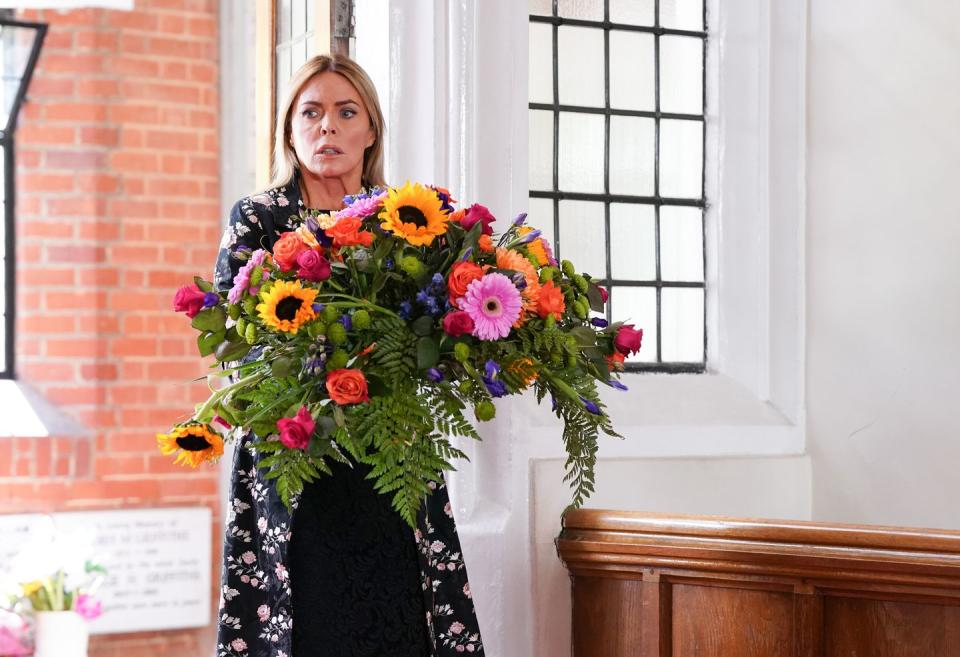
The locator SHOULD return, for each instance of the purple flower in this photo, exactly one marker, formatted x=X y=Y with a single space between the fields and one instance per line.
x=599 y=322
x=522 y=217
x=88 y=607
x=529 y=237
x=613 y=383
x=435 y=375
x=241 y=282
x=466 y=254
x=317 y=308
x=590 y=406
x=492 y=368
x=346 y=321
x=210 y=299
x=553 y=402
x=406 y=309
x=519 y=280
x=495 y=387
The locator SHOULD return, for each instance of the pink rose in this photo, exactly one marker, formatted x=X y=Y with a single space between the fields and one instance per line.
x=263 y=613
x=456 y=627
x=312 y=266
x=248 y=557
x=475 y=213
x=457 y=323
x=295 y=432
x=189 y=299
x=628 y=339
x=603 y=293
x=460 y=648
x=239 y=645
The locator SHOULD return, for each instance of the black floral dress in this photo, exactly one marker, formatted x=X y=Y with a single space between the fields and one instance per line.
x=342 y=574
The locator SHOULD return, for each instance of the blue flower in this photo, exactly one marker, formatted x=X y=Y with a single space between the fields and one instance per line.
x=210 y=299
x=406 y=309
x=317 y=307
x=613 y=383
x=466 y=254
x=346 y=321
x=435 y=375
x=388 y=264
x=590 y=406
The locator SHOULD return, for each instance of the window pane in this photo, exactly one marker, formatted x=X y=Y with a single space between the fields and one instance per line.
x=632 y=12
x=631 y=155
x=632 y=83
x=582 y=236
x=283 y=21
x=541 y=150
x=284 y=71
x=633 y=255
x=638 y=306
x=580 y=66
x=681 y=159
x=682 y=324
x=581 y=152
x=681 y=243
x=541 y=63
x=298 y=21
x=682 y=14
x=541 y=7
x=540 y=215
x=681 y=75
x=588 y=10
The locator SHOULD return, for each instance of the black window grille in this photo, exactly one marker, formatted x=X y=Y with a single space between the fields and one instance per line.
x=617 y=142
x=20 y=44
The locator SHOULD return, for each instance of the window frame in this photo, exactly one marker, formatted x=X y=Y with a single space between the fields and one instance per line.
x=555 y=195
x=8 y=144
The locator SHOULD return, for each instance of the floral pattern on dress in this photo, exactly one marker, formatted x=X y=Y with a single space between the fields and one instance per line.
x=255 y=615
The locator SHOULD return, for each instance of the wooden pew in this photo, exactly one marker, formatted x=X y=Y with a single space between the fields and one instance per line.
x=656 y=585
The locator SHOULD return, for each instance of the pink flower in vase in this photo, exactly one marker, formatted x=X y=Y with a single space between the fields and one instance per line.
x=12 y=641
x=88 y=607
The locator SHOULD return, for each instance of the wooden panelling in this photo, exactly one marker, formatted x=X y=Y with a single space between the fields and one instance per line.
x=653 y=585
x=729 y=622
x=883 y=628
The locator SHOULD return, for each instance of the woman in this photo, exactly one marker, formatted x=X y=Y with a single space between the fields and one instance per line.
x=341 y=574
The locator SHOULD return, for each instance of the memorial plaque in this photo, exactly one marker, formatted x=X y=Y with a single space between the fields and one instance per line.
x=157 y=561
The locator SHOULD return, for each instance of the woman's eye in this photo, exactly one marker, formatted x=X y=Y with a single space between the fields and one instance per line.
x=348 y=113
x=308 y=113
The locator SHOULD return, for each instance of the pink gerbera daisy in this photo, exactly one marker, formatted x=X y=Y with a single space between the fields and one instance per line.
x=363 y=207
x=493 y=302
x=241 y=282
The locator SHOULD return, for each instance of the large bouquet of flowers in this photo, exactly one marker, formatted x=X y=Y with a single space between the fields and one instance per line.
x=369 y=332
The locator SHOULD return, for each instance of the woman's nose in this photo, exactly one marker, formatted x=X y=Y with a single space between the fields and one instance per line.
x=327 y=126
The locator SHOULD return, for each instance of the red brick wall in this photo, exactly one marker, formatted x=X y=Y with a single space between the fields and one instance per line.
x=117 y=205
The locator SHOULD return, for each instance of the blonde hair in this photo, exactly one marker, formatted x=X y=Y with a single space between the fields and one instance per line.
x=285 y=163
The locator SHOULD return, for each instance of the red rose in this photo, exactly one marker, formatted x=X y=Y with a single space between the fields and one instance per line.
x=286 y=250
x=347 y=386
x=475 y=213
x=460 y=276
x=628 y=339
x=312 y=266
x=457 y=323
x=295 y=432
x=189 y=299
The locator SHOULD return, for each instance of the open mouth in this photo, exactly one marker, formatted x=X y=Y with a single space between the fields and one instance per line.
x=329 y=152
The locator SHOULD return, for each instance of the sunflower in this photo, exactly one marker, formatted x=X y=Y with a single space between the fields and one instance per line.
x=415 y=213
x=287 y=306
x=195 y=442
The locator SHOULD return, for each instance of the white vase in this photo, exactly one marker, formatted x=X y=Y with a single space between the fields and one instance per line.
x=60 y=634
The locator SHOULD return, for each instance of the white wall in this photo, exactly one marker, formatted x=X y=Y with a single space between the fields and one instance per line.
x=883 y=261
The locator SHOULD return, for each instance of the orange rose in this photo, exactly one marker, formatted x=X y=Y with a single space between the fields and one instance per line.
x=550 y=301
x=286 y=250
x=615 y=361
x=346 y=232
x=461 y=275
x=347 y=386
x=486 y=244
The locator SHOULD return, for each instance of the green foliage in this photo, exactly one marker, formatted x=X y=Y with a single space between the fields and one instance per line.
x=396 y=351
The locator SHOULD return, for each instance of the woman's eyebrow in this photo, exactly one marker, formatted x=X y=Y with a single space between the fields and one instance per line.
x=338 y=103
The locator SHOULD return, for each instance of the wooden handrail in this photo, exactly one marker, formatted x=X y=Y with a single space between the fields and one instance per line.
x=650 y=574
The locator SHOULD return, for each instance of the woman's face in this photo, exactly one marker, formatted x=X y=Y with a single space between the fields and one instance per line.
x=330 y=127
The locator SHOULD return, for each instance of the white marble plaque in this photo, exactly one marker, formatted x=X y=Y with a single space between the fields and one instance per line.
x=157 y=561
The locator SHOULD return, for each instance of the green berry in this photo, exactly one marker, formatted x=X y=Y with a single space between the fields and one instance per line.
x=547 y=274
x=316 y=329
x=485 y=411
x=580 y=309
x=411 y=265
x=330 y=314
x=337 y=334
x=250 y=306
x=549 y=322
x=338 y=360
x=241 y=326
x=251 y=333
x=568 y=269
x=461 y=352
x=465 y=386
x=234 y=311
x=580 y=282
x=361 y=320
